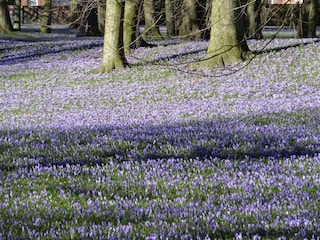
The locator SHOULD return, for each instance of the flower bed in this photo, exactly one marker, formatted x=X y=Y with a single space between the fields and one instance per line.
x=157 y=151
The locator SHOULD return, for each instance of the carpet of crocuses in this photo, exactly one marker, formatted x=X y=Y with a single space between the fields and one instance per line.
x=160 y=150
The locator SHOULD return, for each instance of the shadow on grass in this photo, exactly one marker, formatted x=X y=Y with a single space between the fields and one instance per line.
x=279 y=49
x=262 y=136
x=47 y=45
x=45 y=48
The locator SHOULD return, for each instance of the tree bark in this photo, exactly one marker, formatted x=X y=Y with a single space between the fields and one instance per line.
x=172 y=10
x=131 y=33
x=227 y=43
x=151 y=28
x=113 y=54
x=169 y=18
x=254 y=29
x=91 y=25
x=5 y=21
x=130 y=24
x=46 y=17
x=308 y=19
x=205 y=21
x=101 y=14
x=17 y=15
x=189 y=28
x=74 y=16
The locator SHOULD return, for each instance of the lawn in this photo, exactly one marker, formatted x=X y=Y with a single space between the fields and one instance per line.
x=160 y=150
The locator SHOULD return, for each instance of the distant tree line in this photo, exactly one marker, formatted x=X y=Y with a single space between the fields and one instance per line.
x=227 y=23
x=190 y=19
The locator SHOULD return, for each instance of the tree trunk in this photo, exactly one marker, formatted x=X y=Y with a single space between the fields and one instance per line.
x=131 y=33
x=113 y=54
x=151 y=28
x=205 y=21
x=172 y=8
x=308 y=19
x=101 y=15
x=5 y=21
x=17 y=15
x=74 y=16
x=227 y=43
x=189 y=28
x=254 y=29
x=169 y=18
x=46 y=17
x=91 y=24
x=130 y=24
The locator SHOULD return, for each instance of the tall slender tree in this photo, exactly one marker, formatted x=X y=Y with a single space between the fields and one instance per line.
x=151 y=26
x=253 y=12
x=74 y=15
x=5 y=21
x=113 y=52
x=17 y=15
x=46 y=17
x=132 y=37
x=205 y=13
x=101 y=14
x=172 y=22
x=187 y=19
x=130 y=33
x=189 y=28
x=308 y=19
x=227 y=43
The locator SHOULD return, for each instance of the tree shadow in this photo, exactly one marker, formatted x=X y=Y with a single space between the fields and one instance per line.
x=258 y=52
x=48 y=46
x=273 y=135
x=281 y=48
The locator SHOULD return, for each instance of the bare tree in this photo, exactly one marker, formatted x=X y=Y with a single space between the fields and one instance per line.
x=46 y=17
x=188 y=19
x=151 y=25
x=308 y=19
x=227 y=43
x=132 y=38
x=172 y=9
x=189 y=28
x=101 y=14
x=5 y=21
x=74 y=15
x=254 y=26
x=17 y=15
x=130 y=31
x=205 y=21
x=113 y=53
x=90 y=14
